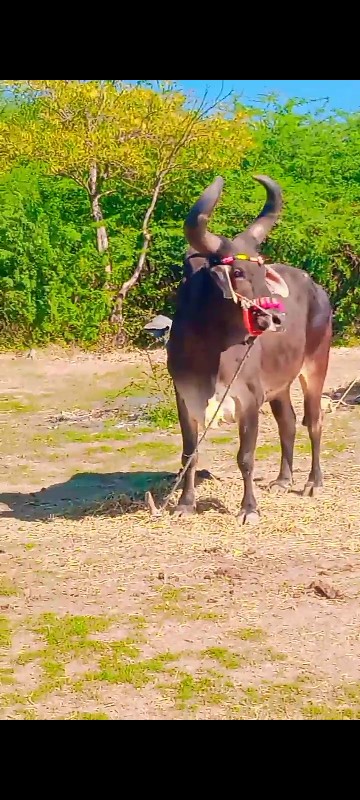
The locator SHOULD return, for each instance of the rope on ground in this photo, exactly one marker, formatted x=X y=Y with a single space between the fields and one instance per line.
x=348 y=390
x=335 y=405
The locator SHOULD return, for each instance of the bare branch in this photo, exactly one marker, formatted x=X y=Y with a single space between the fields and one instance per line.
x=106 y=194
x=128 y=285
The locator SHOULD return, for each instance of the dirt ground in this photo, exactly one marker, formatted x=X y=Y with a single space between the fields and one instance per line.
x=107 y=613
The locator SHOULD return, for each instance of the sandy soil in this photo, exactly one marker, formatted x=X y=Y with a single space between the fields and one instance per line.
x=106 y=613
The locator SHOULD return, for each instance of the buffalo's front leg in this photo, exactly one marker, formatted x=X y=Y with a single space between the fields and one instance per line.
x=189 y=430
x=248 y=428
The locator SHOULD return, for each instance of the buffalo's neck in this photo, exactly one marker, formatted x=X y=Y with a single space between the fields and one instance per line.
x=219 y=323
x=199 y=341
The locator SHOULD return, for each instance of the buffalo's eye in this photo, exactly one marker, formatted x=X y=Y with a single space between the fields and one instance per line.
x=238 y=273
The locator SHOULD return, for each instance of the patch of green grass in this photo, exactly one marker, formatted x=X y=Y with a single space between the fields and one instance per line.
x=65 y=632
x=302 y=447
x=95 y=451
x=190 y=691
x=117 y=672
x=162 y=415
x=48 y=439
x=219 y=676
x=272 y=700
x=253 y=695
x=14 y=699
x=77 y=436
x=68 y=638
x=7 y=677
x=135 y=388
x=170 y=594
x=111 y=433
x=323 y=712
x=53 y=669
x=110 y=395
x=30 y=546
x=57 y=456
x=138 y=622
x=199 y=614
x=286 y=691
x=65 y=638
x=125 y=648
x=114 y=669
x=221 y=439
x=86 y=437
x=157 y=451
x=97 y=715
x=7 y=588
x=334 y=446
x=274 y=655
x=251 y=634
x=223 y=656
x=351 y=692
x=171 y=600
x=266 y=450
x=28 y=656
x=18 y=406
x=29 y=714
x=277 y=699
x=178 y=602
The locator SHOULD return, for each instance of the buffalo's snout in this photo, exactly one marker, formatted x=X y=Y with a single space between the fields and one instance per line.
x=276 y=323
x=268 y=322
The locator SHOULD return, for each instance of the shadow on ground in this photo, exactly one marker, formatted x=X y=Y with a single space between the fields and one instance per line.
x=84 y=492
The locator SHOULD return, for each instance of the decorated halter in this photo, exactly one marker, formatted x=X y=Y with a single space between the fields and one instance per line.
x=252 y=308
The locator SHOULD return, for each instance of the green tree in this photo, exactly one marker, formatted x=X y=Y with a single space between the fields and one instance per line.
x=53 y=285
x=105 y=135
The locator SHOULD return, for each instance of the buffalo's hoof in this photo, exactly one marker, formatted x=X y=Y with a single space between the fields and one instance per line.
x=184 y=511
x=312 y=489
x=280 y=486
x=249 y=517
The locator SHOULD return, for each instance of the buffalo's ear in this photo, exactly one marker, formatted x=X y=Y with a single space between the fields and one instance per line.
x=275 y=282
x=221 y=275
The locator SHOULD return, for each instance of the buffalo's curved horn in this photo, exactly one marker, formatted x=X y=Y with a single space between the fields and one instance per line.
x=196 y=222
x=261 y=227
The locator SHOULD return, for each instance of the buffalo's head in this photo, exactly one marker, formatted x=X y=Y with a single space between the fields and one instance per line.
x=235 y=265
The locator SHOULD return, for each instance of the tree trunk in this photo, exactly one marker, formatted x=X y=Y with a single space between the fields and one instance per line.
x=117 y=315
x=101 y=232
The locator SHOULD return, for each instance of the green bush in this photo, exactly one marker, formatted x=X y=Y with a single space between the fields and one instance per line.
x=52 y=282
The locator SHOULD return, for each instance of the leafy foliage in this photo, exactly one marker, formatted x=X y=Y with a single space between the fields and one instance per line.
x=52 y=281
x=130 y=132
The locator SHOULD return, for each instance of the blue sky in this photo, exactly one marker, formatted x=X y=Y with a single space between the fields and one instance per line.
x=342 y=94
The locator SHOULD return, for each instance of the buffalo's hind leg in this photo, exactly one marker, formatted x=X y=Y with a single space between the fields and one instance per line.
x=189 y=431
x=286 y=419
x=312 y=379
